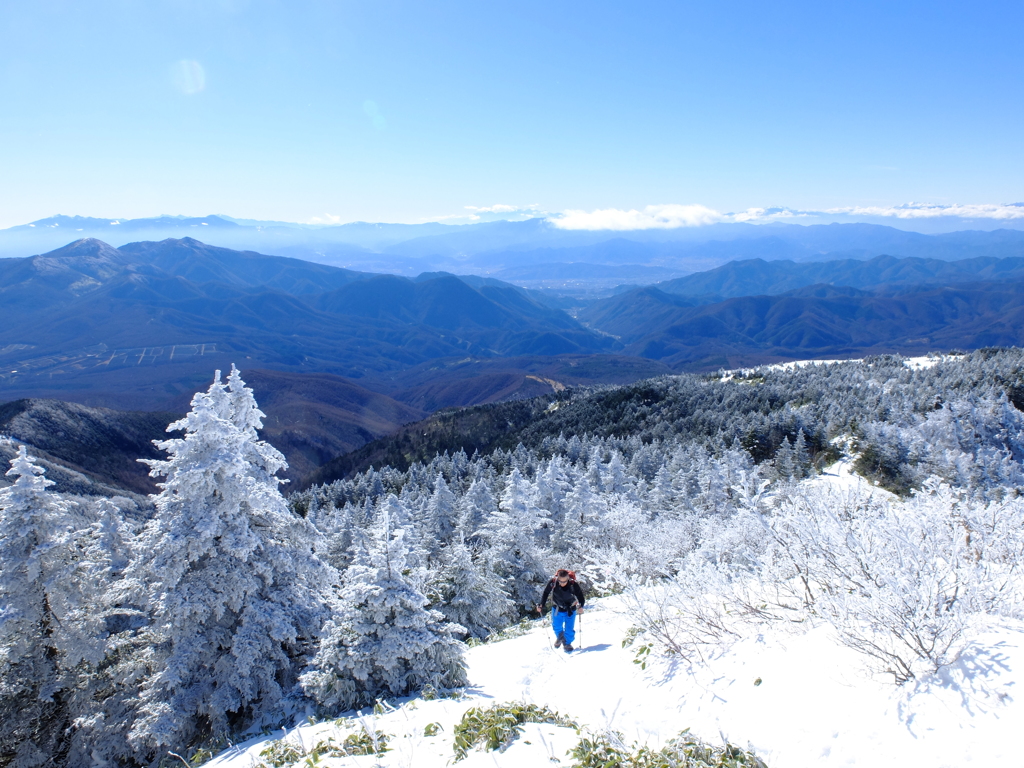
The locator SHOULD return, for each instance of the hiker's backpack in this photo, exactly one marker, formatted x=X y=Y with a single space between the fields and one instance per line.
x=572 y=577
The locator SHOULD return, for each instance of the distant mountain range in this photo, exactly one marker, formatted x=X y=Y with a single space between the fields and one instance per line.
x=502 y=248
x=339 y=357
x=759 y=277
x=812 y=322
x=144 y=325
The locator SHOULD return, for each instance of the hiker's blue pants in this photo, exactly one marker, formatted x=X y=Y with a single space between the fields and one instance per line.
x=564 y=624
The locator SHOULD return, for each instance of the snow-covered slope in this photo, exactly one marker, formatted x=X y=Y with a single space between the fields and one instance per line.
x=791 y=693
x=815 y=703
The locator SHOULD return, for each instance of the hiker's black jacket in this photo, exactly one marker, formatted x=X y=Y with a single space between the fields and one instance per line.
x=564 y=598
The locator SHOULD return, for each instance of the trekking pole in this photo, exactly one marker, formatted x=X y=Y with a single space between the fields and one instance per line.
x=580 y=617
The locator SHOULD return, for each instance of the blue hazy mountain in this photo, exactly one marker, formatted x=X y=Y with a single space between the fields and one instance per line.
x=816 y=321
x=342 y=356
x=489 y=248
x=153 y=318
x=757 y=276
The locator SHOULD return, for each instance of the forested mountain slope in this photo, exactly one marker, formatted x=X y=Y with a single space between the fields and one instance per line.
x=757 y=411
x=310 y=418
x=101 y=443
x=755 y=277
x=814 y=321
x=150 y=320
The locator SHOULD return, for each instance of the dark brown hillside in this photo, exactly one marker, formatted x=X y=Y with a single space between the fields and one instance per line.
x=311 y=418
x=101 y=443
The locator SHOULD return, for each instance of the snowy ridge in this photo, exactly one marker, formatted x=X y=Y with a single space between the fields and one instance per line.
x=788 y=691
x=914 y=363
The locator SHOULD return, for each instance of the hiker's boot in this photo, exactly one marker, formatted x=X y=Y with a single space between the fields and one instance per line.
x=559 y=640
x=568 y=647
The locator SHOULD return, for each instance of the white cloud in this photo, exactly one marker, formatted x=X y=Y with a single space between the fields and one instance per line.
x=651 y=217
x=765 y=215
x=454 y=217
x=327 y=218
x=497 y=212
x=930 y=211
x=500 y=208
x=675 y=216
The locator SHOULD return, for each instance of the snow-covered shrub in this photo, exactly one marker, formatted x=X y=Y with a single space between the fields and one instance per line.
x=382 y=640
x=362 y=742
x=702 y=607
x=902 y=582
x=284 y=752
x=281 y=752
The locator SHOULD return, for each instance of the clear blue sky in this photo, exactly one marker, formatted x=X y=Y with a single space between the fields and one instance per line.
x=402 y=111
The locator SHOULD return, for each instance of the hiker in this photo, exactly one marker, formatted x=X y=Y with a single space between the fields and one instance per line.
x=566 y=601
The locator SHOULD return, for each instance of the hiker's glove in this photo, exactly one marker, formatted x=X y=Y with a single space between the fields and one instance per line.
x=580 y=609
x=540 y=610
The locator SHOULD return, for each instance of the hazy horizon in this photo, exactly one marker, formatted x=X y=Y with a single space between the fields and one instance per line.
x=925 y=219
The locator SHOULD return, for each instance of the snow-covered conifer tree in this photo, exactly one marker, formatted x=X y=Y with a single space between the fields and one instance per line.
x=228 y=574
x=614 y=478
x=439 y=517
x=801 y=455
x=475 y=507
x=552 y=486
x=510 y=535
x=785 y=461
x=398 y=512
x=469 y=594
x=382 y=640
x=46 y=627
x=336 y=536
x=107 y=542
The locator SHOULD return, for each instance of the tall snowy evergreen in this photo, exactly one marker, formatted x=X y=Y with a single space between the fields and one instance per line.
x=469 y=595
x=228 y=574
x=439 y=517
x=383 y=641
x=511 y=538
x=475 y=506
x=46 y=627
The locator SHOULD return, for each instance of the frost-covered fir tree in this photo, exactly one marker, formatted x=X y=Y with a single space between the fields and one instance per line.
x=228 y=574
x=397 y=511
x=475 y=507
x=46 y=627
x=439 y=517
x=106 y=543
x=469 y=595
x=383 y=641
x=510 y=537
